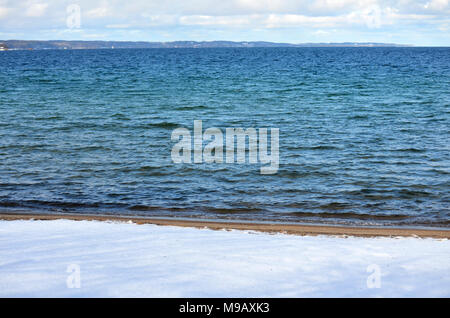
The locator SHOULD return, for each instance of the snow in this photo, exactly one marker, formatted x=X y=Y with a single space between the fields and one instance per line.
x=106 y=259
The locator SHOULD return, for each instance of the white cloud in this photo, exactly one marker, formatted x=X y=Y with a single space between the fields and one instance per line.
x=100 y=11
x=292 y=20
x=36 y=9
x=322 y=32
x=437 y=4
x=3 y=12
x=117 y=26
x=159 y=19
x=218 y=20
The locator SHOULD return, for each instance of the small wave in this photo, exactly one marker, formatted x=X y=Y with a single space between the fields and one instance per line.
x=350 y=215
x=231 y=210
x=144 y=208
x=63 y=205
x=303 y=174
x=92 y=148
x=416 y=150
x=337 y=94
x=392 y=194
x=164 y=124
x=406 y=193
x=49 y=118
x=149 y=208
x=335 y=206
x=149 y=168
x=120 y=116
x=356 y=117
x=191 y=107
x=439 y=171
x=320 y=147
x=25 y=147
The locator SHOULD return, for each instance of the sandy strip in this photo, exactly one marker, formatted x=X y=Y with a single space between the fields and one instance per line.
x=297 y=229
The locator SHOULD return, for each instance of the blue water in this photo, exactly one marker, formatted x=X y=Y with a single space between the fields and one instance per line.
x=364 y=133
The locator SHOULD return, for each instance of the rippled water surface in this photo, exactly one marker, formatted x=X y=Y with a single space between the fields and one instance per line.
x=364 y=132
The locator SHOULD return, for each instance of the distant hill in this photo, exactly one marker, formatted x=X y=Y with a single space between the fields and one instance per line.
x=80 y=45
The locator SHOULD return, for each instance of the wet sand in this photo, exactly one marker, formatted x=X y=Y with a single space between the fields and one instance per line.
x=296 y=229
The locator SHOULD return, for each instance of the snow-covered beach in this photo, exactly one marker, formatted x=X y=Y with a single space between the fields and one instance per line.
x=64 y=258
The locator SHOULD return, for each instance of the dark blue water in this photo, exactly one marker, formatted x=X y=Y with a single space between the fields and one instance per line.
x=364 y=132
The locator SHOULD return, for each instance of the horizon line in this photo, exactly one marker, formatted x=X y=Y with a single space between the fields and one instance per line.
x=209 y=41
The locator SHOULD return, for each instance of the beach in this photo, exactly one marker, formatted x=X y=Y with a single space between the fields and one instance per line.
x=284 y=228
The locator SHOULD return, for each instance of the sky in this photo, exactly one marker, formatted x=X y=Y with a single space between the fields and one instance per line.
x=416 y=22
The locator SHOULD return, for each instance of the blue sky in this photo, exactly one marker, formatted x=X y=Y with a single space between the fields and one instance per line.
x=418 y=22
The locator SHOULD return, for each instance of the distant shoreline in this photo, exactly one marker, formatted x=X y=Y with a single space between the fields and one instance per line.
x=295 y=229
x=84 y=45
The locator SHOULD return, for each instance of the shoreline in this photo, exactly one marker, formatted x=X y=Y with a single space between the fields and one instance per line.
x=294 y=229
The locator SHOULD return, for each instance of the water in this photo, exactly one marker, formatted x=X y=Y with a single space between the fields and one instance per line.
x=364 y=133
